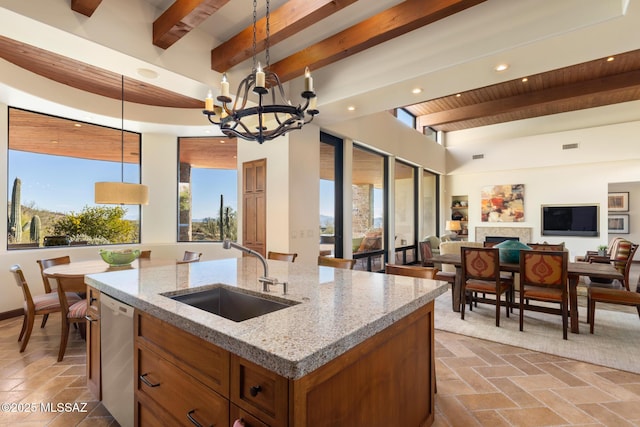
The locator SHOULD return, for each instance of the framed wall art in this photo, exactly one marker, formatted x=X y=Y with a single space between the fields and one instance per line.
x=618 y=202
x=619 y=224
x=502 y=203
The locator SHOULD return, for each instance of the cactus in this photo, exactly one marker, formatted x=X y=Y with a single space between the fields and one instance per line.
x=34 y=229
x=15 y=218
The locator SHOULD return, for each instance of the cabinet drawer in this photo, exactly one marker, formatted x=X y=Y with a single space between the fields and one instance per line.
x=236 y=413
x=260 y=392
x=197 y=357
x=177 y=392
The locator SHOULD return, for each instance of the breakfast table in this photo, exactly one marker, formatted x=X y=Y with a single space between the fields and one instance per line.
x=575 y=270
x=75 y=271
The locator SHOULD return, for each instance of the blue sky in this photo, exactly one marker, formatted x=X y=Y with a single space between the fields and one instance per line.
x=64 y=184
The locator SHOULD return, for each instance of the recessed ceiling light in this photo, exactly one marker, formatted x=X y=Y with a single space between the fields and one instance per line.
x=524 y=80
x=222 y=141
x=458 y=95
x=54 y=141
x=611 y=58
x=416 y=90
x=351 y=108
x=147 y=73
x=78 y=125
x=501 y=67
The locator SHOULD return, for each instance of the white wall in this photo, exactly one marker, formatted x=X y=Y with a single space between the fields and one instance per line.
x=515 y=154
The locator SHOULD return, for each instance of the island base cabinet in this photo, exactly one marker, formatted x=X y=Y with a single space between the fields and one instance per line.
x=388 y=380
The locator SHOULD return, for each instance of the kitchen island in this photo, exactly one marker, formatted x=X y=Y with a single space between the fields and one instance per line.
x=356 y=348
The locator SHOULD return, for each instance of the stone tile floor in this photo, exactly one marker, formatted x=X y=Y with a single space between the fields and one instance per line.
x=480 y=383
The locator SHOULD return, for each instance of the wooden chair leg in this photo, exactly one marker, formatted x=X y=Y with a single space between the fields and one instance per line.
x=24 y=327
x=45 y=317
x=497 y=309
x=64 y=337
x=565 y=316
x=27 y=333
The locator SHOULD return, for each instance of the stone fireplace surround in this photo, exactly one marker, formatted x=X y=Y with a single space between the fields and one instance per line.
x=524 y=233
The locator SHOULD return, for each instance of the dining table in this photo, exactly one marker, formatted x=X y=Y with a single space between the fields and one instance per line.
x=76 y=270
x=574 y=271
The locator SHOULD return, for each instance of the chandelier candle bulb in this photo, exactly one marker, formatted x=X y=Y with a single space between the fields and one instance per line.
x=313 y=103
x=308 y=80
x=224 y=86
x=259 y=76
x=208 y=102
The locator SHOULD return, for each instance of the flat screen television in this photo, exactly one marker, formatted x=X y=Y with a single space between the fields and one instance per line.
x=570 y=220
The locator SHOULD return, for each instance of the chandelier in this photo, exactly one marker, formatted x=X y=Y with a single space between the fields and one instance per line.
x=273 y=115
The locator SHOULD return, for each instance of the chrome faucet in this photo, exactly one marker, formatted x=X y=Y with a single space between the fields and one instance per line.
x=265 y=279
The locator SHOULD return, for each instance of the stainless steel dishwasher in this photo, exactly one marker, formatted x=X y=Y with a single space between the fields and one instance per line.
x=116 y=353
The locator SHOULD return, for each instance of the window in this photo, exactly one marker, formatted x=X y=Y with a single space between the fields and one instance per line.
x=331 y=220
x=406 y=117
x=429 y=203
x=405 y=213
x=207 y=189
x=430 y=132
x=368 y=209
x=53 y=164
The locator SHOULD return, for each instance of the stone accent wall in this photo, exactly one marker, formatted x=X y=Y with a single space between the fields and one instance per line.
x=362 y=211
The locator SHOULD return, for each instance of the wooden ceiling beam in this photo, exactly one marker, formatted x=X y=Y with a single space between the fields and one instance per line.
x=393 y=22
x=571 y=92
x=182 y=17
x=284 y=22
x=85 y=7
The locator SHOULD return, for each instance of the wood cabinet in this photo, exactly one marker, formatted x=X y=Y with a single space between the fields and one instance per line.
x=94 y=381
x=254 y=198
x=388 y=379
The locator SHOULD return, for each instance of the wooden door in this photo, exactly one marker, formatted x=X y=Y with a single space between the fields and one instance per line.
x=254 y=222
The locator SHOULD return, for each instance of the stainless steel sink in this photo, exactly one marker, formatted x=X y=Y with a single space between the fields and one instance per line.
x=231 y=304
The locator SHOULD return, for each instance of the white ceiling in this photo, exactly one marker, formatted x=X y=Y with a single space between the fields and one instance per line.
x=449 y=56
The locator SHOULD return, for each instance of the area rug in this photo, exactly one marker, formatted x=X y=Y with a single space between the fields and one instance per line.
x=615 y=342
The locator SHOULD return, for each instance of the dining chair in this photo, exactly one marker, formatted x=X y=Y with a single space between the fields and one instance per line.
x=426 y=253
x=281 y=256
x=50 y=262
x=609 y=296
x=421 y=273
x=621 y=257
x=190 y=257
x=336 y=262
x=546 y=246
x=411 y=271
x=543 y=277
x=73 y=311
x=35 y=305
x=44 y=264
x=145 y=254
x=481 y=275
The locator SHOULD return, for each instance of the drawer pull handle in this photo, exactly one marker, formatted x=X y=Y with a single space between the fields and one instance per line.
x=193 y=420
x=92 y=300
x=253 y=391
x=147 y=382
x=90 y=319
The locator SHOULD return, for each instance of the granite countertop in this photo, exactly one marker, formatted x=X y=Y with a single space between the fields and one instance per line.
x=338 y=308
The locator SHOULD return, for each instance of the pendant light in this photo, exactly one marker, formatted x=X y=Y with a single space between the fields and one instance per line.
x=121 y=193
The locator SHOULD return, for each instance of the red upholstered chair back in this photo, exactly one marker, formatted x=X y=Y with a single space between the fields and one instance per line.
x=620 y=254
x=544 y=268
x=480 y=263
x=425 y=253
x=546 y=246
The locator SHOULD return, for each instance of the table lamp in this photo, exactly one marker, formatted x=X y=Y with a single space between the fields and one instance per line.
x=453 y=226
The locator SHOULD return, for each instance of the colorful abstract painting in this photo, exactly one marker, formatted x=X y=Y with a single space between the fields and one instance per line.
x=503 y=203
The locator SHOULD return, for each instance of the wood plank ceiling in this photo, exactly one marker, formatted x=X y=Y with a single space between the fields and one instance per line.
x=587 y=85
